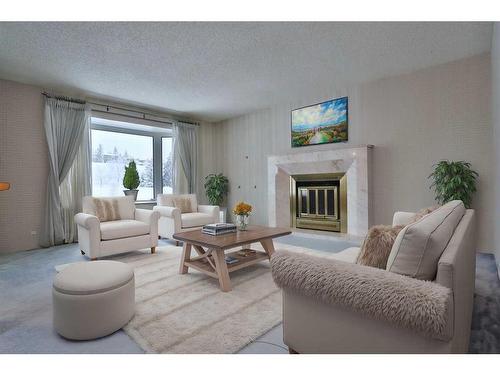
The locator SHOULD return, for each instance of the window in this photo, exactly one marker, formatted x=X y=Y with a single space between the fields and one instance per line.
x=167 y=170
x=115 y=144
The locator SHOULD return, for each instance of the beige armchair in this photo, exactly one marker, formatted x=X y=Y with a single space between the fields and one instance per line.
x=179 y=213
x=113 y=225
x=337 y=306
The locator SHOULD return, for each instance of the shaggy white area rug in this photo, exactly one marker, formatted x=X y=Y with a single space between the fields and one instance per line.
x=189 y=314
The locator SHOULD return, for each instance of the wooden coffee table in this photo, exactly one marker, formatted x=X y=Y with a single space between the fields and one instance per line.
x=211 y=258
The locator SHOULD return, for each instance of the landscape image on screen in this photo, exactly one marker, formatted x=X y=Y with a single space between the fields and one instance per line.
x=321 y=123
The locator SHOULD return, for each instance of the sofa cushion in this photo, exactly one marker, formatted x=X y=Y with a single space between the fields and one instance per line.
x=195 y=219
x=85 y=278
x=112 y=230
x=169 y=200
x=348 y=255
x=110 y=208
x=418 y=247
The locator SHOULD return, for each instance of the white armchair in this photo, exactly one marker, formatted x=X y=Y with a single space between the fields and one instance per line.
x=179 y=213
x=113 y=225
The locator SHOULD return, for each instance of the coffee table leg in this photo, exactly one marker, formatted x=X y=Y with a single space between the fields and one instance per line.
x=186 y=255
x=268 y=245
x=199 y=249
x=222 y=272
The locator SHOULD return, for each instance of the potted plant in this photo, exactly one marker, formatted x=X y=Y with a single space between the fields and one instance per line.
x=131 y=180
x=242 y=210
x=216 y=188
x=454 y=180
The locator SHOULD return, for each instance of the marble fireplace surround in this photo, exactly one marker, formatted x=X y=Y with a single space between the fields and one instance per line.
x=353 y=161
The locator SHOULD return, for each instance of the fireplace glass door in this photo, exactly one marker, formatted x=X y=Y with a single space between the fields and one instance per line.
x=318 y=202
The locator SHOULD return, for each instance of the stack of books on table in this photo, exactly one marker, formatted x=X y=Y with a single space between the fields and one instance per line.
x=231 y=260
x=219 y=228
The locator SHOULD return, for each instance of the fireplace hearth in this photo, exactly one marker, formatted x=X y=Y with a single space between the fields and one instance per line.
x=319 y=201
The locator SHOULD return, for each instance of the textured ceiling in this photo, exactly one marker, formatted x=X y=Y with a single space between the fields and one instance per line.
x=214 y=71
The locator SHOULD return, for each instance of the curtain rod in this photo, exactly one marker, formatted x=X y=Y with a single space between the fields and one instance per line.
x=65 y=98
x=135 y=117
x=141 y=112
x=108 y=106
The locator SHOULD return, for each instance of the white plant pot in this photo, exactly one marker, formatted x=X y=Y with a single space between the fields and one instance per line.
x=132 y=193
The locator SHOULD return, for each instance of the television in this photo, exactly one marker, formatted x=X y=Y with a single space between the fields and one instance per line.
x=320 y=123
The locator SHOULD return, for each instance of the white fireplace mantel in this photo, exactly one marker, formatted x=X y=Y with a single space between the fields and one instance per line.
x=353 y=161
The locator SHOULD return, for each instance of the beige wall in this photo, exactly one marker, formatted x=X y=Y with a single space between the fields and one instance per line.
x=495 y=72
x=206 y=157
x=414 y=120
x=23 y=163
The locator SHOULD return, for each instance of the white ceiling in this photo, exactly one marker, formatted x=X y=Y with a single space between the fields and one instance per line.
x=214 y=71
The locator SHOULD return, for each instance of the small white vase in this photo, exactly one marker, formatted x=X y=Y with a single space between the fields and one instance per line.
x=242 y=222
x=222 y=214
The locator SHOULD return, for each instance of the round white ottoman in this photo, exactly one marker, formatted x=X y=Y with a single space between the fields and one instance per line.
x=93 y=299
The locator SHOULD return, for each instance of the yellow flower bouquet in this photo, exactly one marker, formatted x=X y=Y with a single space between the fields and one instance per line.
x=242 y=210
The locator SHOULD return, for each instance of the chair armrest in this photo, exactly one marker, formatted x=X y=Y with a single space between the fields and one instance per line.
x=167 y=211
x=147 y=216
x=87 y=221
x=422 y=306
x=402 y=218
x=151 y=218
x=89 y=234
x=210 y=210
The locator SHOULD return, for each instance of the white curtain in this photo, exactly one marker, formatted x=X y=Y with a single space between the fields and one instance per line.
x=67 y=131
x=76 y=185
x=185 y=150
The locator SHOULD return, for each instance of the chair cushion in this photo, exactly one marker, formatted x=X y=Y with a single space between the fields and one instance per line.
x=93 y=277
x=110 y=208
x=112 y=230
x=195 y=219
x=418 y=247
x=168 y=200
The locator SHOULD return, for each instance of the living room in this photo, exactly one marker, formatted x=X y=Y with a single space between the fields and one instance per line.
x=210 y=188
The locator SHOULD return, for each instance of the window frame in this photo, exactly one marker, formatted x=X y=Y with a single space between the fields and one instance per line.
x=156 y=135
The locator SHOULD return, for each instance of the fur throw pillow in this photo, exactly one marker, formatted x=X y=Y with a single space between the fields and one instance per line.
x=377 y=245
x=184 y=204
x=106 y=209
x=379 y=240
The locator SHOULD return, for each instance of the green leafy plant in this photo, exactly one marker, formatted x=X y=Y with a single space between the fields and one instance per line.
x=216 y=187
x=131 y=179
x=454 y=180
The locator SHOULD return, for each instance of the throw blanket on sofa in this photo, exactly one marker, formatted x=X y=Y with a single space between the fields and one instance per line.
x=422 y=306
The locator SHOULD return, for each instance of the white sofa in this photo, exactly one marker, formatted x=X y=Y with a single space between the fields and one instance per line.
x=132 y=229
x=173 y=220
x=336 y=306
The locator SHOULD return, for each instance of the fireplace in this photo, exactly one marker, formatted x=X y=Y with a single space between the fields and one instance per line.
x=319 y=201
x=349 y=165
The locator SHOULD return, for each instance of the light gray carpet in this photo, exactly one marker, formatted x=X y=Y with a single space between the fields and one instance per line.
x=485 y=334
x=26 y=307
